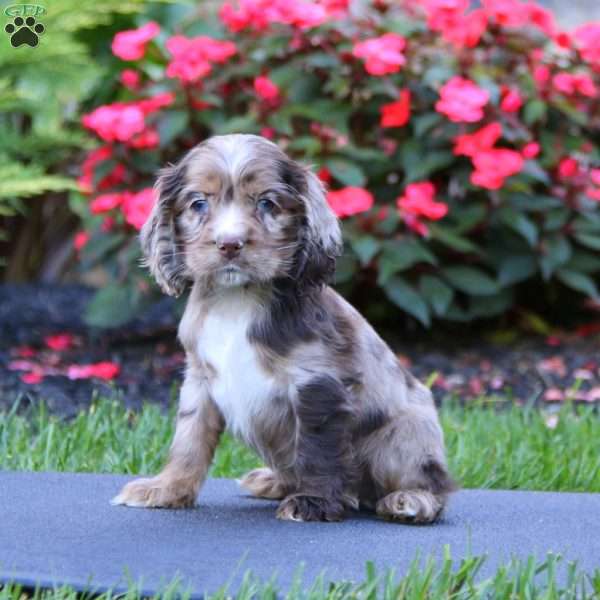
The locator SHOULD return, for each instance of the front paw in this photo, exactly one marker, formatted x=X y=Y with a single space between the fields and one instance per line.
x=301 y=507
x=156 y=493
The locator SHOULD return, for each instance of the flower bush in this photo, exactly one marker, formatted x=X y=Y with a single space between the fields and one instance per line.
x=460 y=146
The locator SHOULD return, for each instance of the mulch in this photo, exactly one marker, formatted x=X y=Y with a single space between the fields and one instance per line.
x=532 y=369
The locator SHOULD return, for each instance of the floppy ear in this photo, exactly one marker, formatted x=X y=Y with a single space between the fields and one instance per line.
x=321 y=237
x=160 y=244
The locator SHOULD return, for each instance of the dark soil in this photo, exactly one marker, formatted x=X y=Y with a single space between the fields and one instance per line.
x=530 y=370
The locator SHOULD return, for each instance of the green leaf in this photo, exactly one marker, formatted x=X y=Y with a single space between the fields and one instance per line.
x=436 y=292
x=521 y=224
x=557 y=251
x=366 y=247
x=471 y=280
x=102 y=169
x=451 y=239
x=514 y=269
x=346 y=172
x=555 y=219
x=423 y=123
x=240 y=124
x=535 y=110
x=586 y=262
x=345 y=268
x=578 y=281
x=401 y=254
x=99 y=247
x=171 y=125
x=405 y=297
x=591 y=240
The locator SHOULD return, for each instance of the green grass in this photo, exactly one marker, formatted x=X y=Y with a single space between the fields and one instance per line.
x=512 y=448
x=425 y=580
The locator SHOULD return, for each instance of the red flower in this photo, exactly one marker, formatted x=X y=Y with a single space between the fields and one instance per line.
x=510 y=13
x=449 y=17
x=568 y=167
x=530 y=150
x=462 y=100
x=418 y=202
x=569 y=84
x=324 y=174
x=396 y=114
x=33 y=377
x=115 y=177
x=493 y=166
x=587 y=39
x=382 y=55
x=266 y=89
x=149 y=138
x=511 y=100
x=192 y=57
x=115 y=122
x=470 y=144
x=131 y=44
x=81 y=239
x=541 y=74
x=60 y=341
x=350 y=201
x=156 y=102
x=106 y=202
x=268 y=132
x=101 y=370
x=137 y=207
x=130 y=79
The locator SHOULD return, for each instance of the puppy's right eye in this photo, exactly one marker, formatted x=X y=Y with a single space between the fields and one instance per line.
x=199 y=203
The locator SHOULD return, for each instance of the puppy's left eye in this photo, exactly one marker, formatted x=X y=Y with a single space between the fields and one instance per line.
x=265 y=205
x=199 y=203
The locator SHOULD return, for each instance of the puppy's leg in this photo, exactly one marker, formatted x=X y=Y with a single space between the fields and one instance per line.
x=264 y=483
x=199 y=425
x=407 y=464
x=324 y=464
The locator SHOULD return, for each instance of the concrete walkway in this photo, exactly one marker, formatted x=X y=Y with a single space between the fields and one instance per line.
x=60 y=528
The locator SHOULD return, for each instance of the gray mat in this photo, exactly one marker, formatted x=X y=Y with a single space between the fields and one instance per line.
x=60 y=528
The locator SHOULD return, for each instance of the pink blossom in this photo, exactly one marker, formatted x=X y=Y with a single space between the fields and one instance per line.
x=259 y=14
x=95 y=157
x=59 y=341
x=138 y=206
x=587 y=40
x=568 y=167
x=101 y=370
x=130 y=79
x=530 y=150
x=382 y=55
x=193 y=57
x=418 y=200
x=350 y=201
x=156 y=102
x=115 y=122
x=396 y=114
x=510 y=13
x=462 y=100
x=268 y=132
x=493 y=166
x=149 y=138
x=570 y=84
x=541 y=74
x=449 y=17
x=511 y=100
x=106 y=202
x=33 y=377
x=131 y=44
x=542 y=18
x=595 y=176
x=265 y=88
x=470 y=144
x=81 y=239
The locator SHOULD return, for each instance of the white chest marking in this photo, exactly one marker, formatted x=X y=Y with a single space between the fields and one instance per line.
x=241 y=389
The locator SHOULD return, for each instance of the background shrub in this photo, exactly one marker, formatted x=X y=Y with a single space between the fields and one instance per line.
x=461 y=147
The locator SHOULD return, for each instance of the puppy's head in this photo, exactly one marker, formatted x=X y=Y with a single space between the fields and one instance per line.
x=236 y=210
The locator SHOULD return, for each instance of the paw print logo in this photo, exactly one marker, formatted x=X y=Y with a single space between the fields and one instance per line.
x=24 y=31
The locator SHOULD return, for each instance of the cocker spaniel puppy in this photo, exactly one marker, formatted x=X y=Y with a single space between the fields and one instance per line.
x=276 y=356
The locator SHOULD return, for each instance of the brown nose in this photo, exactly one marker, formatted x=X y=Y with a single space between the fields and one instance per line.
x=230 y=247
